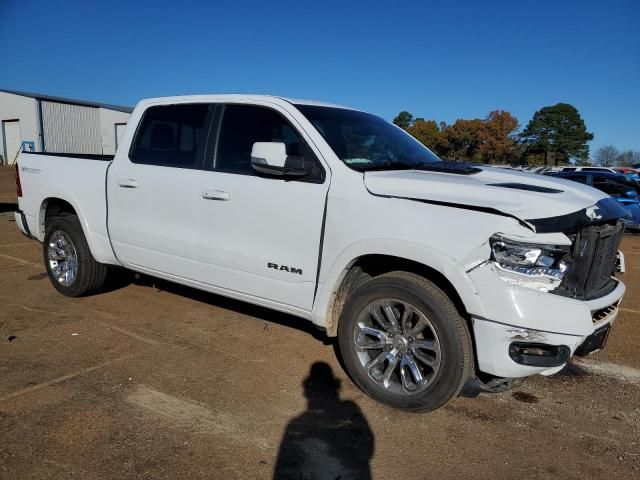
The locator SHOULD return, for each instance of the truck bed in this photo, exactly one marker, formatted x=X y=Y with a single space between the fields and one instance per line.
x=79 y=180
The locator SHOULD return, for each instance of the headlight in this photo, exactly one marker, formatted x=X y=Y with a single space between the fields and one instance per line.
x=529 y=265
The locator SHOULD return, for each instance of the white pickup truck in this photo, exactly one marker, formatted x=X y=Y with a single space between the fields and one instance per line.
x=431 y=274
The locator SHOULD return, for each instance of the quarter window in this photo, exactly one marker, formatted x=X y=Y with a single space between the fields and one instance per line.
x=172 y=136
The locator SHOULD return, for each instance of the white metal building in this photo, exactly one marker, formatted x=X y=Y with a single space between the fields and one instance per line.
x=60 y=125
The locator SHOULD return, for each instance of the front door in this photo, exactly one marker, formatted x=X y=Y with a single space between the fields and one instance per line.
x=259 y=235
x=153 y=191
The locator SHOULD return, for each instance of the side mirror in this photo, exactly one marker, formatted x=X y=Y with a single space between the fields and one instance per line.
x=271 y=158
x=631 y=194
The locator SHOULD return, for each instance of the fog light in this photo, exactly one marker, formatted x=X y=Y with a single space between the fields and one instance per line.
x=539 y=354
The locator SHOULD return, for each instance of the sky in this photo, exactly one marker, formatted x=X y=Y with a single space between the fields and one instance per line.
x=440 y=60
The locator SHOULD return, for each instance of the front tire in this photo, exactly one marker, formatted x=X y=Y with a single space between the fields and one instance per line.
x=404 y=343
x=71 y=268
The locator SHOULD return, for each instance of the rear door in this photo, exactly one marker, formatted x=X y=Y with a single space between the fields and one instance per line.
x=260 y=235
x=154 y=191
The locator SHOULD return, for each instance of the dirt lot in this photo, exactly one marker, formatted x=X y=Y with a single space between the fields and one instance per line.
x=153 y=380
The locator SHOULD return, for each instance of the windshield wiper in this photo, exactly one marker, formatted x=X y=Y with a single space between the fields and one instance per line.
x=449 y=167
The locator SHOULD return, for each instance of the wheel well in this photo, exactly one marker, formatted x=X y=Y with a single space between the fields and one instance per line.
x=369 y=266
x=54 y=207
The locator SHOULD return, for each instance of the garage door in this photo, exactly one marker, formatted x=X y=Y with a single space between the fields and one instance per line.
x=12 y=140
x=71 y=128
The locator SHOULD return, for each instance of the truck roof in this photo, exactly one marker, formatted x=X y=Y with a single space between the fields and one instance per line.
x=237 y=97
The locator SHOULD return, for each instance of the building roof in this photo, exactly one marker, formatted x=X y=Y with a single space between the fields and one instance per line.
x=71 y=101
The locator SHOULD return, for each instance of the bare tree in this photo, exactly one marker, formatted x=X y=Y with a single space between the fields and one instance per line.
x=628 y=158
x=607 y=156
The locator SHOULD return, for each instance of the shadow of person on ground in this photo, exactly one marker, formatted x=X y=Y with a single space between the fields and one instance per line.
x=330 y=440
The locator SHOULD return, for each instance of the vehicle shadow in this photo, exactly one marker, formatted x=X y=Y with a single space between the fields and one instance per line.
x=331 y=439
x=8 y=207
x=124 y=278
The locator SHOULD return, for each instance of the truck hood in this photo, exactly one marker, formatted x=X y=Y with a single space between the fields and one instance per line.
x=542 y=203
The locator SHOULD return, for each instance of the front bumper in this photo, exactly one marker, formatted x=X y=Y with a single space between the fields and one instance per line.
x=520 y=316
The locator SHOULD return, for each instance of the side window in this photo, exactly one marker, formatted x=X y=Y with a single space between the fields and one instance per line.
x=578 y=178
x=610 y=187
x=171 y=136
x=243 y=125
x=569 y=169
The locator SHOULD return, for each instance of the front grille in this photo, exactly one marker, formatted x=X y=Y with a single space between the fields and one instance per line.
x=603 y=313
x=593 y=262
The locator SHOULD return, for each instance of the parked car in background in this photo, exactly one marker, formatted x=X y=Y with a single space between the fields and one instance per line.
x=587 y=169
x=625 y=170
x=625 y=191
x=633 y=177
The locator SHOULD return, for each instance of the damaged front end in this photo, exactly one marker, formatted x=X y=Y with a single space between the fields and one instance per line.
x=594 y=261
x=531 y=265
x=550 y=295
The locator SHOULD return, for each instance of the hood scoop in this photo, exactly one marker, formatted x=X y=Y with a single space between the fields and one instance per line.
x=527 y=187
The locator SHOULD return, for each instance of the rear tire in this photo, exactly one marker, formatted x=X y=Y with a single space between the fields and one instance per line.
x=418 y=360
x=71 y=268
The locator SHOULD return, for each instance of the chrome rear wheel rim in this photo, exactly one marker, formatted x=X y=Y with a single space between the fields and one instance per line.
x=62 y=258
x=397 y=346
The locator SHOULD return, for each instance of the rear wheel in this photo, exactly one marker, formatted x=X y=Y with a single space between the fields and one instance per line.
x=404 y=342
x=71 y=268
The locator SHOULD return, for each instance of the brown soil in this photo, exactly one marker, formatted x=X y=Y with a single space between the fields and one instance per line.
x=153 y=380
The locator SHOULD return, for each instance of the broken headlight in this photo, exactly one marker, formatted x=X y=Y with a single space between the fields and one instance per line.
x=529 y=265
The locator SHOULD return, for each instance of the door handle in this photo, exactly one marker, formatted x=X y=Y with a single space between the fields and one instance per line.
x=128 y=182
x=213 y=194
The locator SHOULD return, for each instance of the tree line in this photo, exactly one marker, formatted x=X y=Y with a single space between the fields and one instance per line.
x=556 y=135
x=610 y=156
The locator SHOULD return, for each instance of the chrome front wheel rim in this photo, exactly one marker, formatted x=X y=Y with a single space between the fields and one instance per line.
x=397 y=346
x=62 y=258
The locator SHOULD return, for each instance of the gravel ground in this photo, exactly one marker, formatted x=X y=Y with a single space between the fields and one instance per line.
x=154 y=380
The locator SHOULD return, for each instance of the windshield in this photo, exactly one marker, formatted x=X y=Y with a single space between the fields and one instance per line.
x=366 y=142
